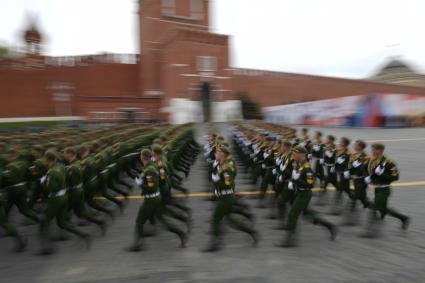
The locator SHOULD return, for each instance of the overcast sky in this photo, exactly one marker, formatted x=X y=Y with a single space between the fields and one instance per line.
x=343 y=38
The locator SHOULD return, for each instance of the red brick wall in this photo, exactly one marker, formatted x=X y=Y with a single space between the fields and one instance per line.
x=283 y=88
x=27 y=93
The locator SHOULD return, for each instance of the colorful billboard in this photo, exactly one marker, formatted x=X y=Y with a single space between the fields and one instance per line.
x=375 y=110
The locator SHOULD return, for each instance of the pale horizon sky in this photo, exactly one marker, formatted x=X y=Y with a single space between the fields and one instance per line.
x=341 y=38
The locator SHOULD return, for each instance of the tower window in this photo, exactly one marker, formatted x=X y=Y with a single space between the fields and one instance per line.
x=197 y=9
x=168 y=7
x=207 y=63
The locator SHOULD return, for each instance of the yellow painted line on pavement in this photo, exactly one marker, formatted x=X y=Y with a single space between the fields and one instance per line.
x=396 y=140
x=250 y=193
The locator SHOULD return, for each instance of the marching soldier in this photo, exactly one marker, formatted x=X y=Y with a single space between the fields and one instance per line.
x=90 y=180
x=165 y=188
x=226 y=202
x=284 y=171
x=302 y=181
x=357 y=171
x=75 y=189
x=9 y=229
x=152 y=205
x=57 y=204
x=381 y=173
x=317 y=150
x=268 y=164
x=342 y=158
x=15 y=183
x=328 y=163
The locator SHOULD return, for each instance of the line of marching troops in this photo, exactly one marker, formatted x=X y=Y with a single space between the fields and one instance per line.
x=291 y=166
x=64 y=172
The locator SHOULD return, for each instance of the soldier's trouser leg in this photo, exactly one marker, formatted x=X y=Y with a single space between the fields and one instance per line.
x=222 y=208
x=37 y=192
x=256 y=173
x=90 y=191
x=381 y=204
x=266 y=180
x=78 y=205
x=301 y=201
x=146 y=211
x=159 y=214
x=360 y=193
x=62 y=219
x=318 y=220
x=111 y=184
x=9 y=229
x=19 y=197
x=239 y=225
x=103 y=189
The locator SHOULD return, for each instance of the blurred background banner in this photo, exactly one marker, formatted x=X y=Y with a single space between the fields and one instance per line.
x=373 y=110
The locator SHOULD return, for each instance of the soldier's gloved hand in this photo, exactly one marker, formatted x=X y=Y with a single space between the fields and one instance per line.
x=278 y=161
x=43 y=179
x=290 y=185
x=340 y=160
x=379 y=170
x=280 y=178
x=332 y=169
x=316 y=147
x=309 y=156
x=347 y=174
x=215 y=163
x=329 y=153
x=295 y=175
x=215 y=177
x=356 y=164
x=368 y=180
x=274 y=171
x=138 y=181
x=263 y=166
x=282 y=167
x=322 y=161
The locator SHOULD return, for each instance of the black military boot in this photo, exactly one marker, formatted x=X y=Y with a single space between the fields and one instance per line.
x=137 y=246
x=290 y=240
x=21 y=243
x=215 y=245
x=373 y=228
x=405 y=223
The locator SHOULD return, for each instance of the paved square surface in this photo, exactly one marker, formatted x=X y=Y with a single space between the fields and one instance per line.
x=396 y=257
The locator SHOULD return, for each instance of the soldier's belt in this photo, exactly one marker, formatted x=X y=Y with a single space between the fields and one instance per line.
x=58 y=194
x=79 y=186
x=355 y=177
x=381 y=186
x=226 y=192
x=150 y=196
x=18 y=185
x=329 y=164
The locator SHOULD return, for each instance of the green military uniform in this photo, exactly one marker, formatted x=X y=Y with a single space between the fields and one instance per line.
x=15 y=183
x=9 y=228
x=76 y=194
x=302 y=181
x=57 y=206
x=91 y=183
x=357 y=171
x=225 y=206
x=152 y=206
x=382 y=172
